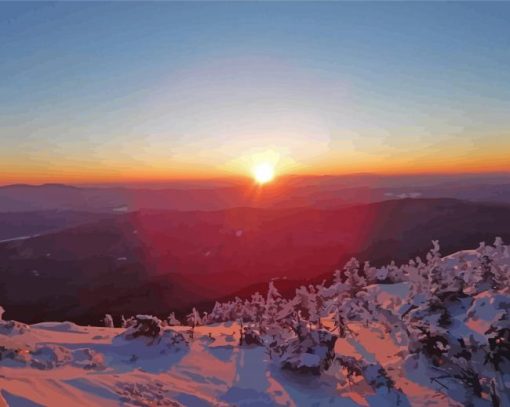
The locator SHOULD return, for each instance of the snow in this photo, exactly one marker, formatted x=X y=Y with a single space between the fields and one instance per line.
x=75 y=365
x=87 y=366
x=209 y=373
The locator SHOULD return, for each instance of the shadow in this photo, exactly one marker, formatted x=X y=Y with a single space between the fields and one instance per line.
x=97 y=390
x=123 y=356
x=223 y=353
x=18 y=401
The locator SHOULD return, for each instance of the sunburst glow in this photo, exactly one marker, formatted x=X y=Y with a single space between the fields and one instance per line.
x=263 y=173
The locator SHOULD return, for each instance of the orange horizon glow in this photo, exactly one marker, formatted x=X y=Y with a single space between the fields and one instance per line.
x=441 y=161
x=148 y=178
x=136 y=164
x=330 y=163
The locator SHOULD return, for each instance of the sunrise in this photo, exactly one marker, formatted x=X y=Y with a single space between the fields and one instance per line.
x=254 y=203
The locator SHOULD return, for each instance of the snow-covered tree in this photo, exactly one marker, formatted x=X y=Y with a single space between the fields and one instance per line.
x=311 y=352
x=354 y=277
x=305 y=302
x=395 y=273
x=256 y=307
x=108 y=321
x=194 y=320
x=273 y=309
x=217 y=314
x=172 y=320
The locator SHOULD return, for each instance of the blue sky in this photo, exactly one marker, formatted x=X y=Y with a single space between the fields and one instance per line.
x=177 y=89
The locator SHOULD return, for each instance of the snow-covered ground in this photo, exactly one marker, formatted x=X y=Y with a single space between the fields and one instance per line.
x=92 y=366
x=63 y=364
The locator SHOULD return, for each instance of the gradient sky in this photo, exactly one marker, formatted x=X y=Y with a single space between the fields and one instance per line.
x=112 y=91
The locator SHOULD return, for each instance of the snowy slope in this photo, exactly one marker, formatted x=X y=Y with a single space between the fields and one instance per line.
x=211 y=372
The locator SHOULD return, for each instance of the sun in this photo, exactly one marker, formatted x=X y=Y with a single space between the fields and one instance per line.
x=263 y=173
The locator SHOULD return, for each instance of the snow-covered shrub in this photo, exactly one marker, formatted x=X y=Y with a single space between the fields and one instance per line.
x=311 y=353
x=13 y=328
x=466 y=363
x=426 y=336
x=152 y=330
x=151 y=394
x=50 y=356
x=142 y=325
x=174 y=339
x=373 y=373
x=351 y=367
x=18 y=354
x=498 y=337
x=250 y=336
x=88 y=359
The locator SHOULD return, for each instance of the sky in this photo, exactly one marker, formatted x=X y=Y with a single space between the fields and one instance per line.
x=140 y=91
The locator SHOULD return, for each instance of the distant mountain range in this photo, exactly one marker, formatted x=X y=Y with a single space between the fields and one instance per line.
x=287 y=192
x=16 y=225
x=155 y=261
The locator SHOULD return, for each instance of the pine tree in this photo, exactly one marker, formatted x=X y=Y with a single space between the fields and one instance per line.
x=354 y=278
x=194 y=320
x=273 y=307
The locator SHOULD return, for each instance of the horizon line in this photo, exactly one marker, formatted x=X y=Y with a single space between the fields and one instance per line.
x=246 y=179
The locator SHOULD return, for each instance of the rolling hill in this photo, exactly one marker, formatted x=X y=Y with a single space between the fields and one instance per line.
x=156 y=261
